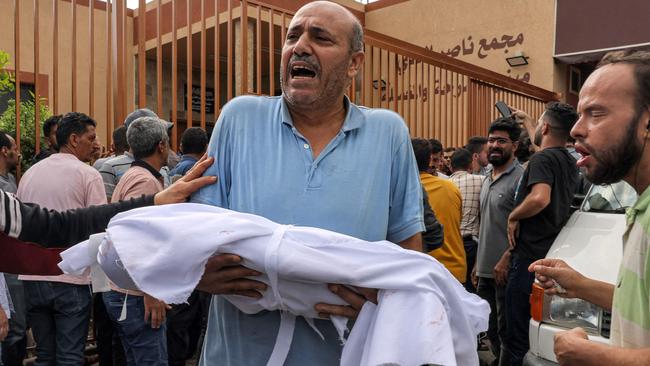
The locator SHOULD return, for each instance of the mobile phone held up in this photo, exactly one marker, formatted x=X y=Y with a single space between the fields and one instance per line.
x=503 y=109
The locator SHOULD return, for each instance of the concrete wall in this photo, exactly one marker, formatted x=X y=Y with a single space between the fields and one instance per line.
x=481 y=32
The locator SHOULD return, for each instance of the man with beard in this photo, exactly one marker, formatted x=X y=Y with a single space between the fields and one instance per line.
x=326 y=163
x=497 y=199
x=542 y=203
x=611 y=136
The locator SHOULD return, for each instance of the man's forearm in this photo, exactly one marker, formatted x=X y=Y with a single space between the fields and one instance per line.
x=61 y=229
x=596 y=354
x=530 y=207
x=413 y=243
x=596 y=292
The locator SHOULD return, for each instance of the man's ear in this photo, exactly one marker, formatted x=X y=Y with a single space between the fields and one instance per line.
x=74 y=140
x=356 y=61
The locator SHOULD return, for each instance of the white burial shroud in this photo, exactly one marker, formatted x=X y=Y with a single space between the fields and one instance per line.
x=423 y=315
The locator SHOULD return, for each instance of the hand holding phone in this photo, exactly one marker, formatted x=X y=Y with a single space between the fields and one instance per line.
x=503 y=109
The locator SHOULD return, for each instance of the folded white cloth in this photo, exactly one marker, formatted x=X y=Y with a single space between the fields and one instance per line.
x=423 y=315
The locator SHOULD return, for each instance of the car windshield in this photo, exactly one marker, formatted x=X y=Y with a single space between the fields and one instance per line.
x=612 y=198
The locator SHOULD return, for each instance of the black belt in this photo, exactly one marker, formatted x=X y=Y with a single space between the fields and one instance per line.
x=468 y=237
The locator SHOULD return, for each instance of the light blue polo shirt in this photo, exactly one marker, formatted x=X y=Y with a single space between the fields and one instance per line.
x=365 y=183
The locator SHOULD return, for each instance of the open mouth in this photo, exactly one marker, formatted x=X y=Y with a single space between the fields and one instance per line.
x=495 y=153
x=302 y=72
x=584 y=156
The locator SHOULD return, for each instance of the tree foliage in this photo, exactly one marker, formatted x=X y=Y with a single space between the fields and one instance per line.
x=6 y=79
x=27 y=125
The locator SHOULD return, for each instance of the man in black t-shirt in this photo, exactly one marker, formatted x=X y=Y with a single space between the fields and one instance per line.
x=542 y=199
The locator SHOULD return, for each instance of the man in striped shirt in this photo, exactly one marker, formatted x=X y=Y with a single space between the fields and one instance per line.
x=470 y=190
x=611 y=137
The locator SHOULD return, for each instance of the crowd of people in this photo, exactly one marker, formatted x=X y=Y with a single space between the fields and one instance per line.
x=488 y=211
x=67 y=174
x=499 y=214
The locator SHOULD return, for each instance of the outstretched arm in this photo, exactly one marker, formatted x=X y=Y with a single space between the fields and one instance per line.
x=31 y=223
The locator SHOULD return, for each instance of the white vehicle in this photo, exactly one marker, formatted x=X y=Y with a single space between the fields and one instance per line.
x=592 y=243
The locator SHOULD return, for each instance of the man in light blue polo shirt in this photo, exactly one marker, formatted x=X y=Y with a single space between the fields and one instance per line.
x=307 y=158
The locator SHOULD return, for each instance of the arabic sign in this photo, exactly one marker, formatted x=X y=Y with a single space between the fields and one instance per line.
x=420 y=92
x=483 y=48
x=467 y=46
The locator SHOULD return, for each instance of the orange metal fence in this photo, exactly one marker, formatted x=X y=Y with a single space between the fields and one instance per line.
x=106 y=60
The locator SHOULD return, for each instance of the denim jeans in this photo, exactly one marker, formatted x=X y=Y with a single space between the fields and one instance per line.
x=59 y=314
x=518 y=290
x=142 y=344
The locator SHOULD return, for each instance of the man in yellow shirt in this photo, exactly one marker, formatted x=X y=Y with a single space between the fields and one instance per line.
x=446 y=202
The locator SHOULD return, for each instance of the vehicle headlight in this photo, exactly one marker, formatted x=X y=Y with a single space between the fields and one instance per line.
x=566 y=313
x=571 y=313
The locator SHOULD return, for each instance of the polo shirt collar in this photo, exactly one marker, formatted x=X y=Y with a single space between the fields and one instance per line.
x=639 y=207
x=353 y=119
x=512 y=166
x=509 y=169
x=150 y=169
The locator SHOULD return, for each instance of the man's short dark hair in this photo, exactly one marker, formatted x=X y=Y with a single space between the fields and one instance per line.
x=475 y=144
x=4 y=140
x=562 y=117
x=194 y=141
x=422 y=150
x=461 y=159
x=523 y=152
x=119 y=139
x=640 y=61
x=508 y=125
x=436 y=146
x=50 y=123
x=72 y=123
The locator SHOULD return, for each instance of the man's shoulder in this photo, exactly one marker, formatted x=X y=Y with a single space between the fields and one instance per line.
x=118 y=160
x=448 y=184
x=135 y=182
x=138 y=172
x=86 y=170
x=380 y=118
x=551 y=155
x=136 y=175
x=431 y=180
x=250 y=104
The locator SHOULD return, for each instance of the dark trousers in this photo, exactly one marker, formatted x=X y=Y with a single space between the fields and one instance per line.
x=14 y=345
x=470 y=255
x=495 y=295
x=59 y=314
x=109 y=347
x=185 y=324
x=518 y=290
